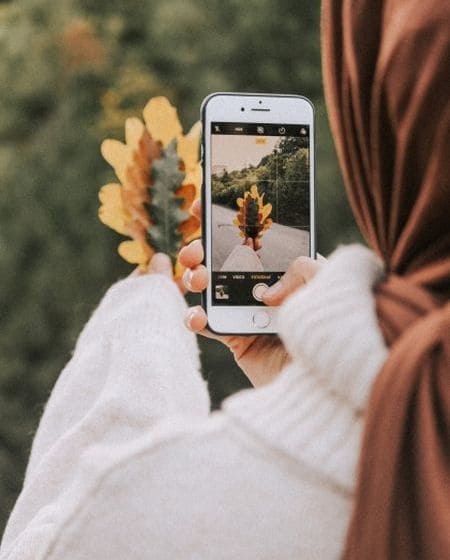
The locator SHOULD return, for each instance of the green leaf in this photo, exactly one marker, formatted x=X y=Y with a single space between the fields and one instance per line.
x=165 y=207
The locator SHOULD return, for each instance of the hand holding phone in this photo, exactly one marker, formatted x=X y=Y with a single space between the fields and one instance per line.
x=260 y=357
x=258 y=203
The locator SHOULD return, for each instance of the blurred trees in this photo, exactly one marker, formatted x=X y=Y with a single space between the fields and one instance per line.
x=70 y=73
x=282 y=176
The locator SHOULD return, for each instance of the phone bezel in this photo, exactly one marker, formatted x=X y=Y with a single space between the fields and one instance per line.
x=227 y=107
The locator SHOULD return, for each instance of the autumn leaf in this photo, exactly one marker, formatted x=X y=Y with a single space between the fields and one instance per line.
x=160 y=177
x=252 y=218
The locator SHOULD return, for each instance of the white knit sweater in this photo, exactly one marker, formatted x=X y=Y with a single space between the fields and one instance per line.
x=128 y=463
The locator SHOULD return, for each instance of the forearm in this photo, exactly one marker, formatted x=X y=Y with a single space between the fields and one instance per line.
x=134 y=364
x=134 y=351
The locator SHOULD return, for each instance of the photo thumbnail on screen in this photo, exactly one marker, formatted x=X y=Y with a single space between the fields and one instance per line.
x=260 y=193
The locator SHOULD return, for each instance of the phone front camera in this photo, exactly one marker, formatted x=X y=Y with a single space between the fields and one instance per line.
x=242 y=109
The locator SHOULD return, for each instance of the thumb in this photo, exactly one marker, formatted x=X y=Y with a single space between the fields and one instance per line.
x=299 y=273
x=161 y=264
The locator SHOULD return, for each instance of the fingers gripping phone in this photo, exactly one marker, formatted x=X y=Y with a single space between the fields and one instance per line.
x=258 y=203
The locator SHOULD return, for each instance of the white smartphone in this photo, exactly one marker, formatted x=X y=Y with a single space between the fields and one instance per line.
x=258 y=202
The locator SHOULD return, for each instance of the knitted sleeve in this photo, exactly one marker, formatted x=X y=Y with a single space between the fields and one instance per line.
x=315 y=410
x=334 y=316
x=134 y=364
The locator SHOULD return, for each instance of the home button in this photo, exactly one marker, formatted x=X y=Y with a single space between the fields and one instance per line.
x=261 y=319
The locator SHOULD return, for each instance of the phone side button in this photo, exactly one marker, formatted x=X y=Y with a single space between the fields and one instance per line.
x=261 y=319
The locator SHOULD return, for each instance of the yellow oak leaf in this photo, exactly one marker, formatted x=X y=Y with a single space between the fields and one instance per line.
x=111 y=211
x=128 y=207
x=161 y=120
x=135 y=252
x=188 y=150
x=252 y=218
x=116 y=154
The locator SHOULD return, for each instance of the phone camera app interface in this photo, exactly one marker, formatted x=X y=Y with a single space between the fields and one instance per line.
x=260 y=191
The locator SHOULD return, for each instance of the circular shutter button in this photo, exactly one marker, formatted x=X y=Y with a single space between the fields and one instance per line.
x=258 y=290
x=261 y=319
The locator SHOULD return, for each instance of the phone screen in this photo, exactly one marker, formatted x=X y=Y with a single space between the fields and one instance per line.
x=260 y=194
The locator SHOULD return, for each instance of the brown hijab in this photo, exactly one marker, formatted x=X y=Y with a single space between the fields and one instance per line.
x=387 y=74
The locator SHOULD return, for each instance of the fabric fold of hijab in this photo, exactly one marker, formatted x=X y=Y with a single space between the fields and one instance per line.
x=386 y=69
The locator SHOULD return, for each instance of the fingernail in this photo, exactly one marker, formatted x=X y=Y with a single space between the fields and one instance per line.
x=187 y=278
x=189 y=317
x=273 y=291
x=197 y=242
x=160 y=264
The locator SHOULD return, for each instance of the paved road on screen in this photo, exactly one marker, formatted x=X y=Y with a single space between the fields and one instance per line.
x=280 y=244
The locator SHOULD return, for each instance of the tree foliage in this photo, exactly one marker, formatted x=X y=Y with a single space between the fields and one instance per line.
x=282 y=176
x=71 y=71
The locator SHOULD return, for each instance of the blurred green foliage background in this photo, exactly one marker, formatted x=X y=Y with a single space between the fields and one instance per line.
x=71 y=71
